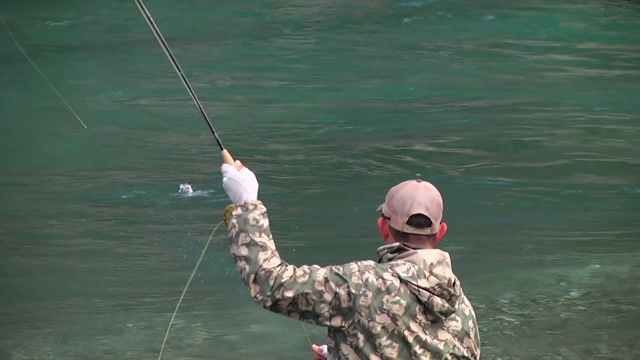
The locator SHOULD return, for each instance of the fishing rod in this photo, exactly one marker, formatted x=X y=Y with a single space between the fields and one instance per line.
x=226 y=157
x=225 y=154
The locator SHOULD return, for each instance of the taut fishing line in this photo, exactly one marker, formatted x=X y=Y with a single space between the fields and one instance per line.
x=40 y=72
x=225 y=154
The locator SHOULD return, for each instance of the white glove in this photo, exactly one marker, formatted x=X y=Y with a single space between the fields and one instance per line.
x=239 y=183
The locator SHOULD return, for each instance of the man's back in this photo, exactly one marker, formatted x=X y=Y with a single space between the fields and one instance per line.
x=410 y=306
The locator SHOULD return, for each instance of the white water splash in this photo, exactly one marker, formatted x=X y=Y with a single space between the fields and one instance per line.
x=187 y=190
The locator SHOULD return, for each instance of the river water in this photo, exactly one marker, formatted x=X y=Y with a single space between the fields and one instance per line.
x=523 y=114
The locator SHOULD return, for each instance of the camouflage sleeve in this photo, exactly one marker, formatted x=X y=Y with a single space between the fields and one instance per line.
x=320 y=295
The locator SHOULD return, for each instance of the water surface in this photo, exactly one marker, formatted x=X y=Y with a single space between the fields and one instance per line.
x=524 y=115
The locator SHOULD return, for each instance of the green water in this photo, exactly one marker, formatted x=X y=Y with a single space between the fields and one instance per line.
x=524 y=114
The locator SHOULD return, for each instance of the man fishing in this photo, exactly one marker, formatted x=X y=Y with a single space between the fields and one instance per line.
x=406 y=305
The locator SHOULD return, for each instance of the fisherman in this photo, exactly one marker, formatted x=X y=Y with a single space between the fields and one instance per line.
x=406 y=305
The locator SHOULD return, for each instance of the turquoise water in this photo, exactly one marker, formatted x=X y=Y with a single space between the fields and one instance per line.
x=524 y=115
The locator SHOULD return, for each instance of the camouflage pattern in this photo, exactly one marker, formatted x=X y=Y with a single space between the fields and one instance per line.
x=407 y=305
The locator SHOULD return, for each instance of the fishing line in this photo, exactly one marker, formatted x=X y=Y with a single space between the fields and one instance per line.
x=40 y=72
x=306 y=333
x=187 y=287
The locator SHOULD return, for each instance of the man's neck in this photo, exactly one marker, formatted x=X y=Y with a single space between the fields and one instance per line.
x=418 y=245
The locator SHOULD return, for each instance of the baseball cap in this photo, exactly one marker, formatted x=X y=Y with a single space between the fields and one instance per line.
x=409 y=198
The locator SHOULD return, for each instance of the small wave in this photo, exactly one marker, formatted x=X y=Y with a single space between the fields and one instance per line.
x=412 y=3
x=133 y=194
x=57 y=23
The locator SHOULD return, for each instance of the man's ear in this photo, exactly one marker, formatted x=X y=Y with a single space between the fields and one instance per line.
x=383 y=227
x=441 y=232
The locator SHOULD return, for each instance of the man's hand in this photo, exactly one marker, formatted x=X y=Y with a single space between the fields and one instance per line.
x=319 y=352
x=239 y=183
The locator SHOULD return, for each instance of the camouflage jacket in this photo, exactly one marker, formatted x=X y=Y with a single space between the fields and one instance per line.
x=407 y=305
